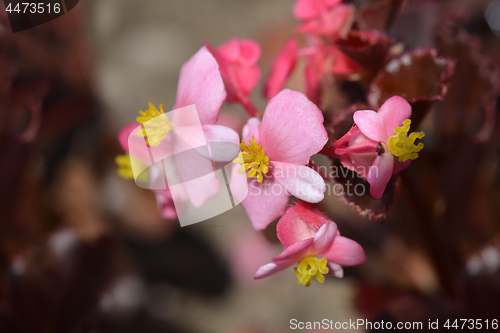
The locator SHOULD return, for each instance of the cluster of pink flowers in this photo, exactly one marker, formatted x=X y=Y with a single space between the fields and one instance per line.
x=276 y=147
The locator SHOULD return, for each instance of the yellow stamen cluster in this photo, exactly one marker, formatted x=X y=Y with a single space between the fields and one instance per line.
x=311 y=267
x=125 y=170
x=124 y=166
x=253 y=157
x=157 y=129
x=403 y=146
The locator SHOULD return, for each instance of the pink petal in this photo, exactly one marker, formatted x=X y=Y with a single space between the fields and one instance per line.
x=393 y=112
x=281 y=68
x=292 y=128
x=268 y=269
x=251 y=129
x=134 y=144
x=295 y=252
x=308 y=9
x=400 y=166
x=265 y=201
x=313 y=217
x=124 y=134
x=371 y=125
x=313 y=83
x=166 y=204
x=246 y=79
x=380 y=173
x=325 y=236
x=352 y=158
x=242 y=51
x=300 y=181
x=342 y=64
x=345 y=252
x=223 y=142
x=200 y=83
x=292 y=228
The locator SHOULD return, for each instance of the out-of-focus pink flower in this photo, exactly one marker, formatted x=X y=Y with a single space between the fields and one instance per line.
x=333 y=23
x=281 y=68
x=309 y=9
x=323 y=60
x=369 y=147
x=274 y=154
x=250 y=250
x=200 y=83
x=237 y=59
x=314 y=242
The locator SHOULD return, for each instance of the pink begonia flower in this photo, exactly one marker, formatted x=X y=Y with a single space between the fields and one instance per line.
x=314 y=242
x=309 y=9
x=370 y=147
x=237 y=59
x=281 y=68
x=333 y=23
x=164 y=197
x=274 y=157
x=200 y=83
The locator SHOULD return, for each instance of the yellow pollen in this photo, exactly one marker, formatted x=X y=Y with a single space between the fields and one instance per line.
x=403 y=146
x=156 y=130
x=311 y=267
x=252 y=158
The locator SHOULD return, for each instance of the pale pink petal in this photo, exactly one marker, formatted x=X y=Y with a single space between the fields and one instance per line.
x=223 y=142
x=393 y=112
x=251 y=129
x=200 y=83
x=308 y=9
x=268 y=269
x=295 y=252
x=281 y=68
x=292 y=128
x=201 y=189
x=325 y=236
x=380 y=173
x=335 y=270
x=265 y=202
x=292 y=228
x=371 y=125
x=300 y=181
x=345 y=252
x=194 y=171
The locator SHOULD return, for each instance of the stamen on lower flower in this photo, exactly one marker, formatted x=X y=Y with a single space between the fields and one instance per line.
x=403 y=146
x=252 y=158
x=154 y=130
x=124 y=166
x=311 y=267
